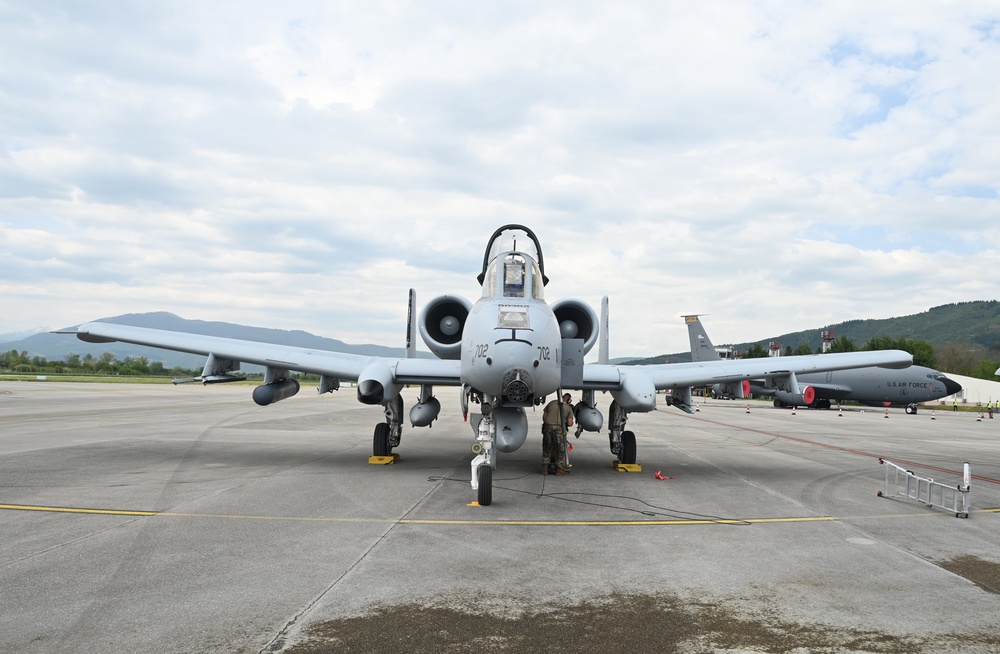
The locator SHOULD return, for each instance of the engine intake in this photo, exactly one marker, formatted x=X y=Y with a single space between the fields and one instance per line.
x=441 y=324
x=577 y=320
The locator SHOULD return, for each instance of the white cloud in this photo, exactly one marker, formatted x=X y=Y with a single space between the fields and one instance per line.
x=780 y=166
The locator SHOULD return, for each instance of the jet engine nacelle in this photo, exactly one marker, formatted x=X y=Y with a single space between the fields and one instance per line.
x=732 y=390
x=512 y=428
x=805 y=398
x=375 y=384
x=637 y=394
x=424 y=413
x=577 y=320
x=275 y=391
x=441 y=324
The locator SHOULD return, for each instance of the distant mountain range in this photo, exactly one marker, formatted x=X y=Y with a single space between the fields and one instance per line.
x=17 y=336
x=55 y=347
x=970 y=325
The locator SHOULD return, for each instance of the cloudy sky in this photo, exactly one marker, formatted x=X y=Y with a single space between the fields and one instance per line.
x=300 y=165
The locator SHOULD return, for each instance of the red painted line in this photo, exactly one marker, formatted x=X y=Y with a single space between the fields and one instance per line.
x=838 y=448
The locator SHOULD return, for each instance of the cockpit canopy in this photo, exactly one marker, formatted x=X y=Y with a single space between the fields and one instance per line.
x=513 y=275
x=508 y=240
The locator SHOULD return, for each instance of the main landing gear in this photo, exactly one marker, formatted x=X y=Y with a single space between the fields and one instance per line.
x=622 y=442
x=388 y=433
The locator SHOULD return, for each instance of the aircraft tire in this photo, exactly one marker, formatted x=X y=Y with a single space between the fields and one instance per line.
x=911 y=409
x=380 y=441
x=628 y=448
x=485 y=493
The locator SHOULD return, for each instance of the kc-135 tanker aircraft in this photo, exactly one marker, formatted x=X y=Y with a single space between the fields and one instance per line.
x=507 y=352
x=870 y=386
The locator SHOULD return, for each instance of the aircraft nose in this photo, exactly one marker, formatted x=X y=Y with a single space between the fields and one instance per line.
x=952 y=386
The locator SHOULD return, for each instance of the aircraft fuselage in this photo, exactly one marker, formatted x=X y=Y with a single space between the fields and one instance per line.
x=880 y=387
x=913 y=385
x=512 y=350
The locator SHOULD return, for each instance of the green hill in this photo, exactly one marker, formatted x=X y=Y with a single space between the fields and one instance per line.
x=970 y=326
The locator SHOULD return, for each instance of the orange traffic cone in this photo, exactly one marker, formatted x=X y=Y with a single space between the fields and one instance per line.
x=748 y=408
x=840 y=412
x=887 y=413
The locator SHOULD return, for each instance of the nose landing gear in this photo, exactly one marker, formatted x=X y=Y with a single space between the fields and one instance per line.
x=485 y=460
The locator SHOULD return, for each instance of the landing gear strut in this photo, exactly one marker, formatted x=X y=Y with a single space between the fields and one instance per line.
x=485 y=459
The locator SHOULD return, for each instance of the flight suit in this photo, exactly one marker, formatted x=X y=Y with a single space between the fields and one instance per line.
x=553 y=432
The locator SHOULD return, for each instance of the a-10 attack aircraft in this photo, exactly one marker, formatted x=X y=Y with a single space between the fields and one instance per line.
x=870 y=386
x=507 y=352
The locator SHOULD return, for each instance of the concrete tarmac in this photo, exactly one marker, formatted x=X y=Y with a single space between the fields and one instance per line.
x=187 y=519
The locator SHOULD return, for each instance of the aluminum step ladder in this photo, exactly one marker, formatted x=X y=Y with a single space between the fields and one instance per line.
x=933 y=494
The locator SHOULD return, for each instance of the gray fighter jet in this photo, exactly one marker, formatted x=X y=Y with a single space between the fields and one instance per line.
x=507 y=352
x=870 y=386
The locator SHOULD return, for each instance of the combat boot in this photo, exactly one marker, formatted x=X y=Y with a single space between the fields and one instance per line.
x=561 y=472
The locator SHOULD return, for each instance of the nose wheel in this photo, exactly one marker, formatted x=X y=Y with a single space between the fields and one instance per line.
x=484 y=475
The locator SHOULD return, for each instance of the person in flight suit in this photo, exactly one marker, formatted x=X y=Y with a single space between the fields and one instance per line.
x=557 y=418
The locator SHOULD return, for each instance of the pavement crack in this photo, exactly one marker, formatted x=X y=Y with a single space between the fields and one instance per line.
x=277 y=643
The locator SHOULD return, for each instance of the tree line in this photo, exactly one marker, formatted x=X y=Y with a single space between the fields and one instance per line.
x=88 y=364
x=106 y=364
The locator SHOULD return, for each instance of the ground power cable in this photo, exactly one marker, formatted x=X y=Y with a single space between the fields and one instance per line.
x=655 y=512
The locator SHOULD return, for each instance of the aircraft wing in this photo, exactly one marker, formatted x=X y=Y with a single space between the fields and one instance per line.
x=703 y=373
x=338 y=365
x=635 y=386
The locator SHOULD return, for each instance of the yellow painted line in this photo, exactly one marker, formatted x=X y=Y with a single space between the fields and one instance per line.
x=498 y=523
x=609 y=523
x=222 y=516
x=66 y=509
